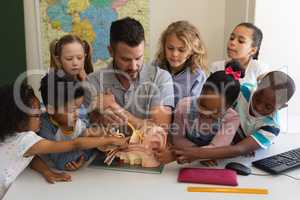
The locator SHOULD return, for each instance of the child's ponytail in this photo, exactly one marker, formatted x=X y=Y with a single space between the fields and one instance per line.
x=53 y=54
x=88 y=63
x=56 y=47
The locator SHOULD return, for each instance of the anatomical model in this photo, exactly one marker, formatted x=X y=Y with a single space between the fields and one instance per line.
x=142 y=145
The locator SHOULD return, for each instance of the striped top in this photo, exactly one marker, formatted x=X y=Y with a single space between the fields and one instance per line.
x=262 y=129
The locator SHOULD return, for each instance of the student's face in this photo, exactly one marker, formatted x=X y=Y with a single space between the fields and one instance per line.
x=34 y=122
x=67 y=116
x=239 y=46
x=128 y=59
x=72 y=58
x=176 y=52
x=210 y=106
x=263 y=102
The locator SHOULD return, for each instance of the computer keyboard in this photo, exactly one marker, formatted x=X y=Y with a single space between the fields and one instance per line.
x=280 y=162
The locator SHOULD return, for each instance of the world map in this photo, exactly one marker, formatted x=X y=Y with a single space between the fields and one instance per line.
x=89 y=19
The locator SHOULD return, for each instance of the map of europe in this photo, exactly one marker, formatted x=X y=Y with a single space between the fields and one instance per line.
x=89 y=19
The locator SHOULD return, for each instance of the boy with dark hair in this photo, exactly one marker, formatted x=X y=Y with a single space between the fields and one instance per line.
x=127 y=30
x=258 y=110
x=62 y=96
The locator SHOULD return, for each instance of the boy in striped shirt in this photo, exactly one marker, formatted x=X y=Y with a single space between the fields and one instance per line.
x=258 y=109
x=258 y=115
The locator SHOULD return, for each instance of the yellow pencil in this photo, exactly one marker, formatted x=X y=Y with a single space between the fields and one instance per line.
x=228 y=190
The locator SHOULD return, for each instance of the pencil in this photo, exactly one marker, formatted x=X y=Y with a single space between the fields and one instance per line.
x=228 y=190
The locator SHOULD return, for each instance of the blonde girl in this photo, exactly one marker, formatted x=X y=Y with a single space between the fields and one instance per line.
x=73 y=55
x=183 y=53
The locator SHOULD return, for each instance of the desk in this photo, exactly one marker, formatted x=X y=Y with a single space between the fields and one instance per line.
x=94 y=183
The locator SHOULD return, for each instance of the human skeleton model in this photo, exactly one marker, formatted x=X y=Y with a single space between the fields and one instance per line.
x=142 y=145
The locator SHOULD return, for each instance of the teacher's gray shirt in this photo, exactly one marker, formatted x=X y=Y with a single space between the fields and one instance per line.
x=153 y=87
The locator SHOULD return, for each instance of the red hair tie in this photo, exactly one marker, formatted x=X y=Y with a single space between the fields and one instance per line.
x=235 y=75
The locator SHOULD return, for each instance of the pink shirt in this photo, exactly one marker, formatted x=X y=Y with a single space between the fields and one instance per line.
x=225 y=134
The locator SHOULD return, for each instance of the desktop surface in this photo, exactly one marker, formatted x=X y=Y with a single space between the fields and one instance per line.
x=94 y=183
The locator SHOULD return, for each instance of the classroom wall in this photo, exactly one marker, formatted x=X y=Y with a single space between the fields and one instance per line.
x=207 y=15
x=214 y=18
x=279 y=20
x=237 y=11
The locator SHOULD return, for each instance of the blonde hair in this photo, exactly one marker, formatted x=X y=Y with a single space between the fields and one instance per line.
x=56 y=47
x=190 y=36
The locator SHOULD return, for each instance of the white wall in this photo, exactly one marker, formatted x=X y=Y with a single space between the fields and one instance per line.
x=207 y=15
x=214 y=18
x=279 y=20
x=33 y=44
x=237 y=11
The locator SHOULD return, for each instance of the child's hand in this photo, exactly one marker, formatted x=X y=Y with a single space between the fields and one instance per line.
x=113 y=115
x=52 y=177
x=118 y=141
x=165 y=156
x=182 y=142
x=74 y=165
x=82 y=75
x=209 y=163
x=185 y=155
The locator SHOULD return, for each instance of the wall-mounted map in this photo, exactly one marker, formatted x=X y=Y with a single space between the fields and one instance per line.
x=91 y=20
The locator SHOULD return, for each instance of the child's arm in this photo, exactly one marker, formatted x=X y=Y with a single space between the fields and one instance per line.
x=181 y=141
x=261 y=138
x=47 y=146
x=177 y=137
x=224 y=136
x=228 y=130
x=193 y=153
x=94 y=132
x=41 y=167
x=180 y=122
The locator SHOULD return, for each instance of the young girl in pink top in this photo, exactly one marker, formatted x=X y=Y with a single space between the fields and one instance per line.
x=209 y=120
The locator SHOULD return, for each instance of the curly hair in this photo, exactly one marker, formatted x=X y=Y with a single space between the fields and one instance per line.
x=14 y=119
x=57 y=45
x=190 y=36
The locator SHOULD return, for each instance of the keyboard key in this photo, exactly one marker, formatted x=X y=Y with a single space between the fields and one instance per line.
x=280 y=162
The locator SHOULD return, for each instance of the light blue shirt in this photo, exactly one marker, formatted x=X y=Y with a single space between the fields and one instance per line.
x=188 y=83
